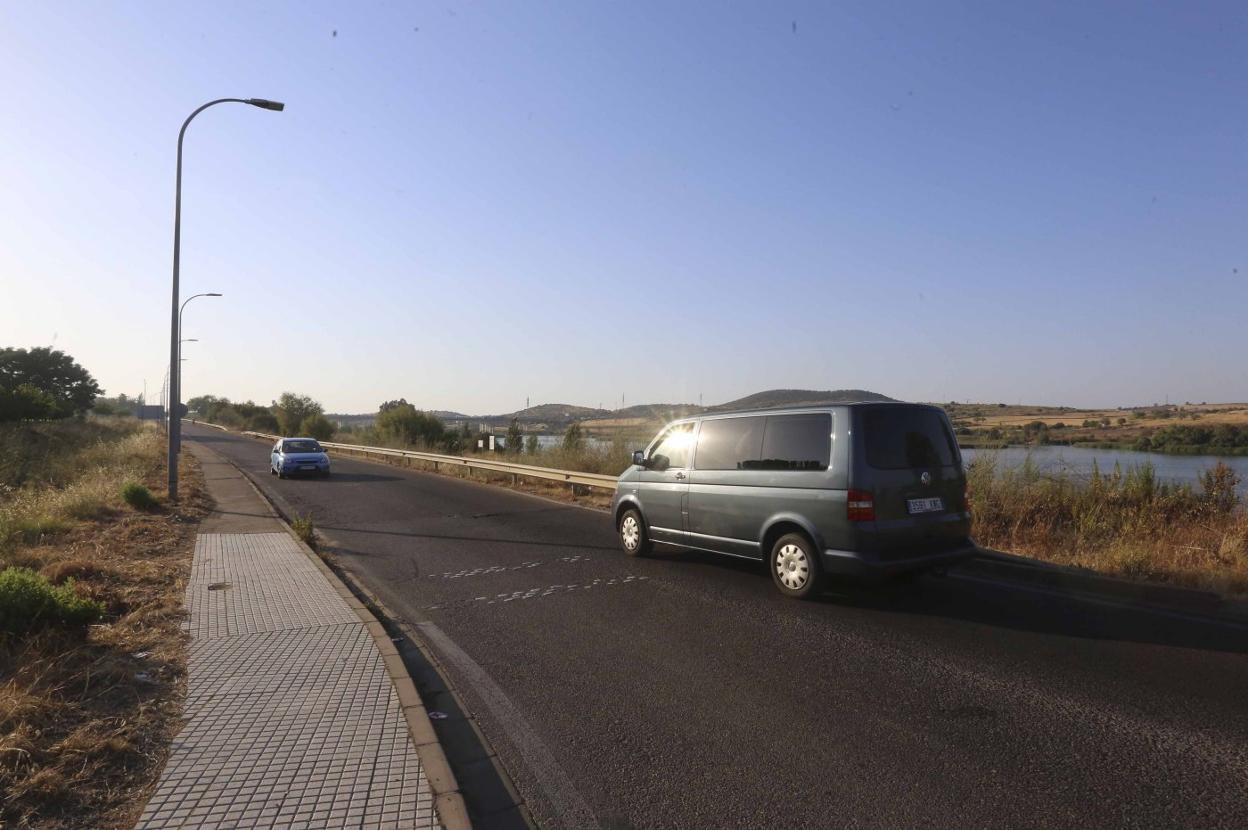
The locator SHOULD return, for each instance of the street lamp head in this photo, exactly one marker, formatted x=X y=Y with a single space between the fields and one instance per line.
x=212 y=294
x=266 y=104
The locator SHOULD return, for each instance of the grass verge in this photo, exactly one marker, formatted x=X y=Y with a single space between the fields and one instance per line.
x=86 y=716
x=1121 y=523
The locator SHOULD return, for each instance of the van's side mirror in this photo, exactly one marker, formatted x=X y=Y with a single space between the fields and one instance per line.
x=639 y=458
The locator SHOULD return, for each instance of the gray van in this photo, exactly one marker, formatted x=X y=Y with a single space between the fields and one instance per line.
x=862 y=489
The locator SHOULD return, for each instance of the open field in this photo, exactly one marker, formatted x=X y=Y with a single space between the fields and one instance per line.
x=980 y=425
x=86 y=716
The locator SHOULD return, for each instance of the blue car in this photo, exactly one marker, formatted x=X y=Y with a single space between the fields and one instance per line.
x=298 y=456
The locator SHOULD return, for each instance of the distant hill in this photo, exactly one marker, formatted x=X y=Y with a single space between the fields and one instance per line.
x=661 y=411
x=551 y=413
x=556 y=416
x=798 y=397
x=367 y=418
x=448 y=415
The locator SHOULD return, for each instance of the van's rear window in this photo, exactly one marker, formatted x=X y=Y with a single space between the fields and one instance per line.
x=897 y=439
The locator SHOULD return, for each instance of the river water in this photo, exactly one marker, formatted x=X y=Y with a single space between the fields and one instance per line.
x=1183 y=469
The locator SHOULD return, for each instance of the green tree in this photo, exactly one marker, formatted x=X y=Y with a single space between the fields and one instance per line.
x=515 y=438
x=402 y=422
x=291 y=410
x=316 y=426
x=26 y=403
x=262 y=421
x=31 y=379
x=573 y=438
x=532 y=446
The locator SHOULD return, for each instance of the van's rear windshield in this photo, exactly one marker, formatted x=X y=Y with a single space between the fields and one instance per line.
x=897 y=439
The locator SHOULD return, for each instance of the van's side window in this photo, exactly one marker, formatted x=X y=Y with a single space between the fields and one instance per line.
x=797 y=442
x=672 y=451
x=729 y=444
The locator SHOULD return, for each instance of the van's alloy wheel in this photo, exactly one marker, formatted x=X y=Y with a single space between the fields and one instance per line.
x=633 y=537
x=794 y=567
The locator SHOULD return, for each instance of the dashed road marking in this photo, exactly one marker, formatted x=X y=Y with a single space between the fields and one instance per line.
x=498 y=569
x=539 y=592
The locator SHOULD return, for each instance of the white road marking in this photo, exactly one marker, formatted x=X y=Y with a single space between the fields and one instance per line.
x=570 y=809
x=498 y=569
x=532 y=593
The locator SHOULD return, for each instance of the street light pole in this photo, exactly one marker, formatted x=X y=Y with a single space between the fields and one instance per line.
x=175 y=393
x=178 y=441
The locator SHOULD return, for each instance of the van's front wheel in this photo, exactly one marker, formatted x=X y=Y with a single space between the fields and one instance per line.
x=794 y=566
x=633 y=537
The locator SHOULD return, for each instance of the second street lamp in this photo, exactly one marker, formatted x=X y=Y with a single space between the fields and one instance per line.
x=176 y=440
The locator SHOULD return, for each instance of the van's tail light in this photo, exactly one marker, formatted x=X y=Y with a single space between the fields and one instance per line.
x=861 y=506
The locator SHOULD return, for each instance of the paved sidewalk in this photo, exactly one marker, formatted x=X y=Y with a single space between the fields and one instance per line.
x=291 y=717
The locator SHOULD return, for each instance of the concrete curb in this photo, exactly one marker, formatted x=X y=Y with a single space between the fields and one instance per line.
x=422 y=730
x=993 y=564
x=410 y=631
x=448 y=801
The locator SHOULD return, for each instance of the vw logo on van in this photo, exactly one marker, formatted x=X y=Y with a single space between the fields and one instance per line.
x=926 y=478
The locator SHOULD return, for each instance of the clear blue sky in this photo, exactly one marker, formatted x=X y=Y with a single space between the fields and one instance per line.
x=468 y=204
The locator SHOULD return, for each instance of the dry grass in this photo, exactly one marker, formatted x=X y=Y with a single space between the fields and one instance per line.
x=86 y=720
x=304 y=529
x=1125 y=523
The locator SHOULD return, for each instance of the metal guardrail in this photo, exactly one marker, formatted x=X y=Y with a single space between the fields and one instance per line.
x=596 y=480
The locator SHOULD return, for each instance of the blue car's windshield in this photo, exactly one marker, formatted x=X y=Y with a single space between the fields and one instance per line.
x=301 y=446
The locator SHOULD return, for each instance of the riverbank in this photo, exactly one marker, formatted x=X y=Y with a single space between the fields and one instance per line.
x=1126 y=523
x=1122 y=446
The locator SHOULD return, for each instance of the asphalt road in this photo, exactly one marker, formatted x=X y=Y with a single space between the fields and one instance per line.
x=682 y=691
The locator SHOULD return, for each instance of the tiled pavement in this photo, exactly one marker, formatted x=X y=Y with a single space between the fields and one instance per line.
x=291 y=718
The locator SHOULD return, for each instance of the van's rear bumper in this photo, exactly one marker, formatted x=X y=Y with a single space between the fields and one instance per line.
x=863 y=563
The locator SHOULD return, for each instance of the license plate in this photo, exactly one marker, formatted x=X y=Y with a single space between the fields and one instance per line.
x=933 y=505
x=313 y=467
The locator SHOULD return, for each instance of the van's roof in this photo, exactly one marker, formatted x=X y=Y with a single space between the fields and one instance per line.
x=791 y=410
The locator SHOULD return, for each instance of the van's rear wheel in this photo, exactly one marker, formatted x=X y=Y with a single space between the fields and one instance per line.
x=794 y=566
x=633 y=536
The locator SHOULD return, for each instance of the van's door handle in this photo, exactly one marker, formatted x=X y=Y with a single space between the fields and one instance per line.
x=680 y=476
